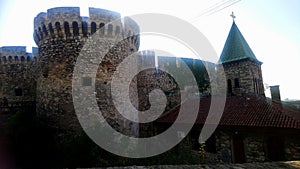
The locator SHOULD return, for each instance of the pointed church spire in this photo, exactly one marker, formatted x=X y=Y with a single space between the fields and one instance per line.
x=236 y=47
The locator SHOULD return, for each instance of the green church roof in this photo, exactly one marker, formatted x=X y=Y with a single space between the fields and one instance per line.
x=236 y=47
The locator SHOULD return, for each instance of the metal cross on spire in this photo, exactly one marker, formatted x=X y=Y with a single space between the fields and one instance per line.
x=233 y=16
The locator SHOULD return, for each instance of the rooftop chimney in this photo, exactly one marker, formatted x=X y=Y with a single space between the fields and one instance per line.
x=275 y=93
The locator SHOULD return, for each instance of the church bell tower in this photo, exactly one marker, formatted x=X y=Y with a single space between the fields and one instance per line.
x=242 y=68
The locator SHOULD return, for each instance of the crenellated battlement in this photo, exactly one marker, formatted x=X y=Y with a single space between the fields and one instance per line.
x=18 y=73
x=17 y=54
x=66 y=22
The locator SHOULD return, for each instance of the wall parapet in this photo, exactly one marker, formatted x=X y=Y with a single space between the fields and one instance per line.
x=66 y=22
x=17 y=54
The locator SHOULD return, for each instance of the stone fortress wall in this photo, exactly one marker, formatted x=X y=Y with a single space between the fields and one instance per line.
x=157 y=78
x=45 y=75
x=60 y=35
x=16 y=54
x=18 y=73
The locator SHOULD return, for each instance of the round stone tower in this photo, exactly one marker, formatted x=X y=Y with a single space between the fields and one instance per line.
x=60 y=35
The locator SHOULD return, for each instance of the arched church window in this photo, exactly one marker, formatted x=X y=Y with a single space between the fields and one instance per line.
x=10 y=58
x=236 y=83
x=16 y=58
x=229 y=86
x=93 y=27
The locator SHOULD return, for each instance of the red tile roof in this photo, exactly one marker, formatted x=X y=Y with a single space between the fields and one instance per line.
x=295 y=114
x=239 y=111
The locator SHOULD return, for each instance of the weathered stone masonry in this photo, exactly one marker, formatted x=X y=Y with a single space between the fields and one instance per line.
x=18 y=73
x=60 y=35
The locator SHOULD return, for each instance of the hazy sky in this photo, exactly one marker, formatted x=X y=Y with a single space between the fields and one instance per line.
x=271 y=28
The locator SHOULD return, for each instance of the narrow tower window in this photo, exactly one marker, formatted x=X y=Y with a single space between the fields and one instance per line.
x=51 y=29
x=57 y=26
x=41 y=33
x=117 y=30
x=102 y=28
x=22 y=58
x=45 y=30
x=84 y=29
x=75 y=29
x=4 y=59
x=28 y=58
x=67 y=29
x=58 y=29
x=236 y=83
x=110 y=29
x=93 y=27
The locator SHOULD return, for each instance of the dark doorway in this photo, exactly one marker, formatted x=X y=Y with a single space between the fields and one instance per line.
x=238 y=149
x=275 y=149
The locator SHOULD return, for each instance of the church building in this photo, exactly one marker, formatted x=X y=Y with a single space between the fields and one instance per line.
x=252 y=128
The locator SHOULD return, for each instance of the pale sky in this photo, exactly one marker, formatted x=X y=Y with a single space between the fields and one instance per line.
x=271 y=28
